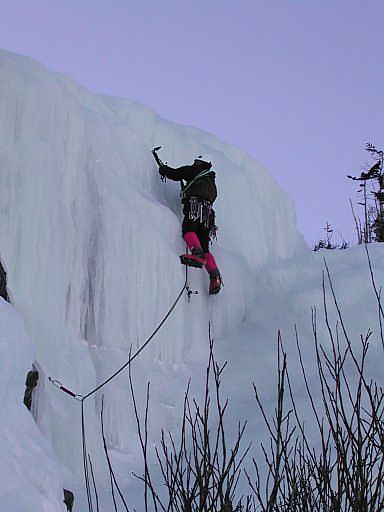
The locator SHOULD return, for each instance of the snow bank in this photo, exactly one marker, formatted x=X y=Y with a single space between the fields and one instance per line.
x=286 y=296
x=29 y=474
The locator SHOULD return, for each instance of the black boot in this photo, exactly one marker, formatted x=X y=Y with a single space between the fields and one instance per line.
x=215 y=282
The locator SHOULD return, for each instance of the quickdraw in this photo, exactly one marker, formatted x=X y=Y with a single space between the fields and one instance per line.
x=59 y=385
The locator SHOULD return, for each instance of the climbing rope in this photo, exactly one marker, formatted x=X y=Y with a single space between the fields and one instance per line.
x=82 y=398
x=144 y=345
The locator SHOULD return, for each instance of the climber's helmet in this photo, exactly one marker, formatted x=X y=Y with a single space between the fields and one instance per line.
x=204 y=158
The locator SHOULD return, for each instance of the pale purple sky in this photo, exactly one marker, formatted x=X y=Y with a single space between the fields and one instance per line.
x=299 y=84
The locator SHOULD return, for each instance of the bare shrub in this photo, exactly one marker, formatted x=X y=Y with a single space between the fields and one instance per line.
x=338 y=468
x=200 y=471
x=343 y=470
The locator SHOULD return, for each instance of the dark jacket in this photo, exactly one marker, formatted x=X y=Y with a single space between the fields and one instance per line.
x=204 y=187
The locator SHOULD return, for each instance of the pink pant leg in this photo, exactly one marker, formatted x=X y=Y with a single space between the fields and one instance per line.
x=211 y=263
x=192 y=240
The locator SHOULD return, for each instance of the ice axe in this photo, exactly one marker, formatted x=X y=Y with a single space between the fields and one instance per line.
x=158 y=160
x=156 y=156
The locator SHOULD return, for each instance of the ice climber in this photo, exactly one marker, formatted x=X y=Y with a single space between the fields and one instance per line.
x=198 y=192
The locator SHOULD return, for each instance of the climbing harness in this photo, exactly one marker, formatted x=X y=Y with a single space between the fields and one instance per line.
x=200 y=210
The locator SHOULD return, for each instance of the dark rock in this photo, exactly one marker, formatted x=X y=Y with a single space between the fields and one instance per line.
x=69 y=498
x=3 y=284
x=30 y=384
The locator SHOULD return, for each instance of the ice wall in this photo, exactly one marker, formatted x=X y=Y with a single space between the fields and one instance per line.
x=90 y=237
